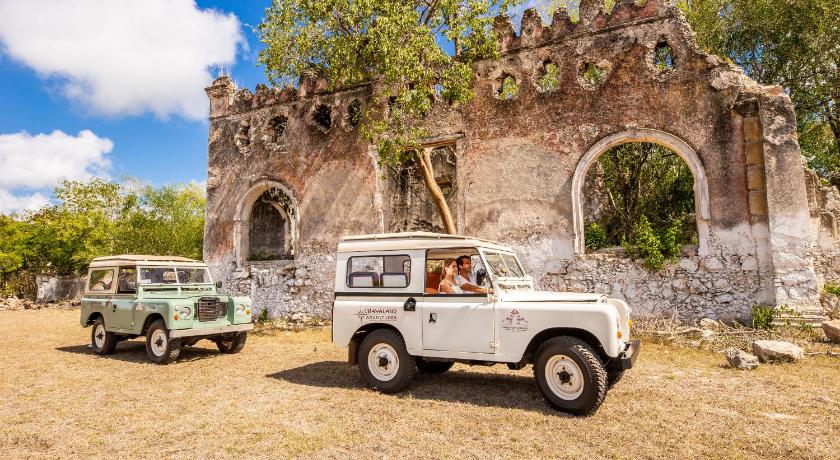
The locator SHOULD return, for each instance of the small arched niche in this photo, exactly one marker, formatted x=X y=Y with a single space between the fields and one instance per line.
x=643 y=136
x=266 y=224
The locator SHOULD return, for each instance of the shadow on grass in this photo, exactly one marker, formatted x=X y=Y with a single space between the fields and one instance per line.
x=134 y=351
x=458 y=385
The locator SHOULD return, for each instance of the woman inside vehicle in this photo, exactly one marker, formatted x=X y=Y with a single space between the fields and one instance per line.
x=448 y=285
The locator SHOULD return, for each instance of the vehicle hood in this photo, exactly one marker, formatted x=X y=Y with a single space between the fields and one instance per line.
x=549 y=296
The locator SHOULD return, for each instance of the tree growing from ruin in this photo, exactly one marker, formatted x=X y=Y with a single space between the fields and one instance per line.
x=792 y=43
x=413 y=53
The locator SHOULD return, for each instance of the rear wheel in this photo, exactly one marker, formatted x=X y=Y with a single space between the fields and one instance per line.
x=570 y=375
x=433 y=367
x=232 y=343
x=385 y=363
x=160 y=348
x=101 y=341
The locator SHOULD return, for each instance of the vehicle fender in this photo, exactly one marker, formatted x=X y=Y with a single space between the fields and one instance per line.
x=598 y=322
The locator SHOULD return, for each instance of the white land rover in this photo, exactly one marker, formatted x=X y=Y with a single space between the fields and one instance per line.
x=389 y=311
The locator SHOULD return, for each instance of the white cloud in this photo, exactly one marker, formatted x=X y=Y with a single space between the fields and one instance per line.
x=11 y=203
x=123 y=57
x=30 y=162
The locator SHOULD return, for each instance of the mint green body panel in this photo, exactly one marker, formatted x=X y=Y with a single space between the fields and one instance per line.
x=130 y=314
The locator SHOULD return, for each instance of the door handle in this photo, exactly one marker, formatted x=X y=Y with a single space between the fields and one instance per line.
x=410 y=304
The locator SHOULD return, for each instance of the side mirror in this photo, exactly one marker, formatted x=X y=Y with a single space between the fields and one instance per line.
x=481 y=276
x=218 y=284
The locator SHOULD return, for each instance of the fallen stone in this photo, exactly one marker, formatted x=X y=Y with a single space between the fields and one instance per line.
x=740 y=359
x=769 y=351
x=832 y=330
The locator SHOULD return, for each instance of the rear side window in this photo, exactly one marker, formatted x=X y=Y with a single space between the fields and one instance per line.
x=101 y=280
x=127 y=283
x=378 y=271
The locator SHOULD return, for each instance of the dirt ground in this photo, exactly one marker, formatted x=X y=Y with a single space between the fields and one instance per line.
x=292 y=395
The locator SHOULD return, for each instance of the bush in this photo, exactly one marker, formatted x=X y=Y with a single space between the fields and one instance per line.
x=646 y=245
x=762 y=317
x=595 y=237
x=832 y=287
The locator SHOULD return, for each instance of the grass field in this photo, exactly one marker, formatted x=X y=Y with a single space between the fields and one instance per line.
x=292 y=395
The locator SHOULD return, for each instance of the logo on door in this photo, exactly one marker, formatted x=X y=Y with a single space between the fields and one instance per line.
x=377 y=314
x=515 y=322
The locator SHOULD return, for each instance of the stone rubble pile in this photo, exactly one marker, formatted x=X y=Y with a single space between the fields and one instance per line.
x=14 y=303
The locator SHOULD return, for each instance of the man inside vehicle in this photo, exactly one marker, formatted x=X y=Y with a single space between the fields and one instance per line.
x=465 y=278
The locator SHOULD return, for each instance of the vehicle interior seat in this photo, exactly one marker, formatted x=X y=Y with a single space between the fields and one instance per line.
x=432 y=283
x=364 y=279
x=394 y=279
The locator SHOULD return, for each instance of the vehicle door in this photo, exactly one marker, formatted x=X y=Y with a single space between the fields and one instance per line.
x=100 y=290
x=125 y=299
x=455 y=322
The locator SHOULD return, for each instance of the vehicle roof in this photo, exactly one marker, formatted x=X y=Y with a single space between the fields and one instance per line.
x=132 y=259
x=413 y=240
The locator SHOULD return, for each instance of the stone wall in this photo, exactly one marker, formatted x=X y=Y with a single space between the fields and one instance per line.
x=54 y=288
x=520 y=166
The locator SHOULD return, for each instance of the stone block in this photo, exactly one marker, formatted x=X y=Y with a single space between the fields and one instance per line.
x=755 y=177
x=755 y=153
x=752 y=129
x=832 y=330
x=740 y=359
x=758 y=203
x=769 y=351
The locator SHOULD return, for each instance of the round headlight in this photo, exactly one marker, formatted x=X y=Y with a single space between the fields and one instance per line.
x=185 y=312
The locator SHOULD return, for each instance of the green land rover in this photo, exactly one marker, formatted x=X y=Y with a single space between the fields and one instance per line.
x=172 y=301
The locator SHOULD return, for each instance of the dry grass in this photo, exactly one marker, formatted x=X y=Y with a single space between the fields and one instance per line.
x=291 y=395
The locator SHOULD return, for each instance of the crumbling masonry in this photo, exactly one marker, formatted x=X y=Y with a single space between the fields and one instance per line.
x=289 y=173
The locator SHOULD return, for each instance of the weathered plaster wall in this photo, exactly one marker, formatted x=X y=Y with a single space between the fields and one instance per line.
x=517 y=161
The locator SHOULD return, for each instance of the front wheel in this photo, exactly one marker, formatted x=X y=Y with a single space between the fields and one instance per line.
x=570 y=375
x=232 y=343
x=101 y=341
x=385 y=363
x=159 y=346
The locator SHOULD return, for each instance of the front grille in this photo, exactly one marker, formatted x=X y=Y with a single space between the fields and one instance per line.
x=210 y=309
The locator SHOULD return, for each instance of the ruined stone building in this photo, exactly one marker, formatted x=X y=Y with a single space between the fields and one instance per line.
x=289 y=173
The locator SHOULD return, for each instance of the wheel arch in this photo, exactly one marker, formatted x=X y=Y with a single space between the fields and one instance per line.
x=92 y=317
x=546 y=334
x=360 y=334
x=149 y=320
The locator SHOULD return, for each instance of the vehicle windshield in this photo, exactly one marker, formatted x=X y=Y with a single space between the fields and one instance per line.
x=504 y=265
x=173 y=275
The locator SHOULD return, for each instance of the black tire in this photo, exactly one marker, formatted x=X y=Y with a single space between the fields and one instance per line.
x=433 y=367
x=391 y=352
x=159 y=347
x=101 y=341
x=579 y=367
x=232 y=343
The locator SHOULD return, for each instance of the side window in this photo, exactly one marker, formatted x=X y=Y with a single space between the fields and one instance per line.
x=378 y=271
x=127 y=281
x=101 y=280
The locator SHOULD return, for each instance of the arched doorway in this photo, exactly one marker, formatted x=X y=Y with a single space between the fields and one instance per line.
x=668 y=141
x=266 y=224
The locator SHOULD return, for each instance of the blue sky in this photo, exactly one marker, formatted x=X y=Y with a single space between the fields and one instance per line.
x=114 y=88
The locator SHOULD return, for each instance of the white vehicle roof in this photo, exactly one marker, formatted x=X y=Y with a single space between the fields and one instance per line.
x=413 y=240
x=129 y=259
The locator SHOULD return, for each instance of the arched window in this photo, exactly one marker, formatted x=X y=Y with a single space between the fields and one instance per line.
x=266 y=224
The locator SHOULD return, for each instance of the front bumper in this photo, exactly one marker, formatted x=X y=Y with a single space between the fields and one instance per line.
x=627 y=358
x=177 y=333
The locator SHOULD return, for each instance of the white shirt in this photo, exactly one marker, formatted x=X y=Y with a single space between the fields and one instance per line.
x=455 y=288
x=462 y=281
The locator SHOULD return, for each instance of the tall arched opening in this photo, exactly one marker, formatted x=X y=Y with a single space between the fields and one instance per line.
x=266 y=224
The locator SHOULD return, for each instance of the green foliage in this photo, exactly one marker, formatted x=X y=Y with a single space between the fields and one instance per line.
x=595 y=236
x=832 y=287
x=646 y=203
x=509 y=89
x=593 y=75
x=398 y=44
x=762 y=317
x=263 y=318
x=96 y=218
x=792 y=43
x=550 y=81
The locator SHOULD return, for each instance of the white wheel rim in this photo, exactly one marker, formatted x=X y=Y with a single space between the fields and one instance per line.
x=564 y=377
x=159 y=342
x=383 y=362
x=99 y=336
